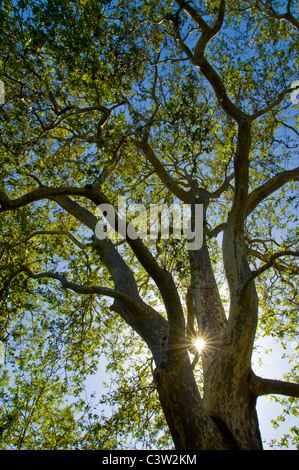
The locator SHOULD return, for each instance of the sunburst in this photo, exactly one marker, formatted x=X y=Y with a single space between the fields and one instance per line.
x=199 y=343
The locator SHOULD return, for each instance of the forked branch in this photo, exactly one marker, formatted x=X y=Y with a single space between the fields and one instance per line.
x=264 y=267
x=198 y=59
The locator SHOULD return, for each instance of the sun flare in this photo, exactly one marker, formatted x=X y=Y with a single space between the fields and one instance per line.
x=199 y=344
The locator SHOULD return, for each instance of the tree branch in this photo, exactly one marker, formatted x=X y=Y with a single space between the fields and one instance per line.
x=262 y=269
x=79 y=289
x=272 y=105
x=270 y=186
x=199 y=60
x=279 y=267
x=287 y=16
x=41 y=192
x=162 y=278
x=142 y=318
x=63 y=233
x=225 y=185
x=241 y=171
x=82 y=246
x=70 y=111
x=124 y=280
x=185 y=196
x=121 y=274
x=261 y=386
x=192 y=13
x=215 y=231
x=212 y=31
x=243 y=316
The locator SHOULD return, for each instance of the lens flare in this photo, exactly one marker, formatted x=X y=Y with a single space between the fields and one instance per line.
x=199 y=344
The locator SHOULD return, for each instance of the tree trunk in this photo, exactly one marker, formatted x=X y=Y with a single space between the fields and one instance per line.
x=228 y=399
x=225 y=419
x=189 y=424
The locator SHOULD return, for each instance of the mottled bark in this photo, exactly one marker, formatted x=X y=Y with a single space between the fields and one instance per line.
x=190 y=425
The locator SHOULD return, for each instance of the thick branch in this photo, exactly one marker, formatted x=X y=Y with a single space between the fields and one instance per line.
x=217 y=83
x=270 y=186
x=210 y=31
x=123 y=276
x=192 y=13
x=207 y=307
x=199 y=60
x=215 y=231
x=241 y=169
x=42 y=192
x=261 y=386
x=169 y=182
x=148 y=323
x=225 y=185
x=243 y=314
x=162 y=278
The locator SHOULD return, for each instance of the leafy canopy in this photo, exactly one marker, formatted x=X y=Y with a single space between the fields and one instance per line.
x=86 y=84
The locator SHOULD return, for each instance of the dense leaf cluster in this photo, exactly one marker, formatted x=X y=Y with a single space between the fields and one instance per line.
x=108 y=92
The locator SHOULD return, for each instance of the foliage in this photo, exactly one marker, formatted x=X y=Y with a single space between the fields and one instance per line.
x=107 y=93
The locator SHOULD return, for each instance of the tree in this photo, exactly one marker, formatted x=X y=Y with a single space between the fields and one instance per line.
x=156 y=101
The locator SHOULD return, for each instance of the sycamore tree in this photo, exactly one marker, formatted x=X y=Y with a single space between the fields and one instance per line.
x=159 y=102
